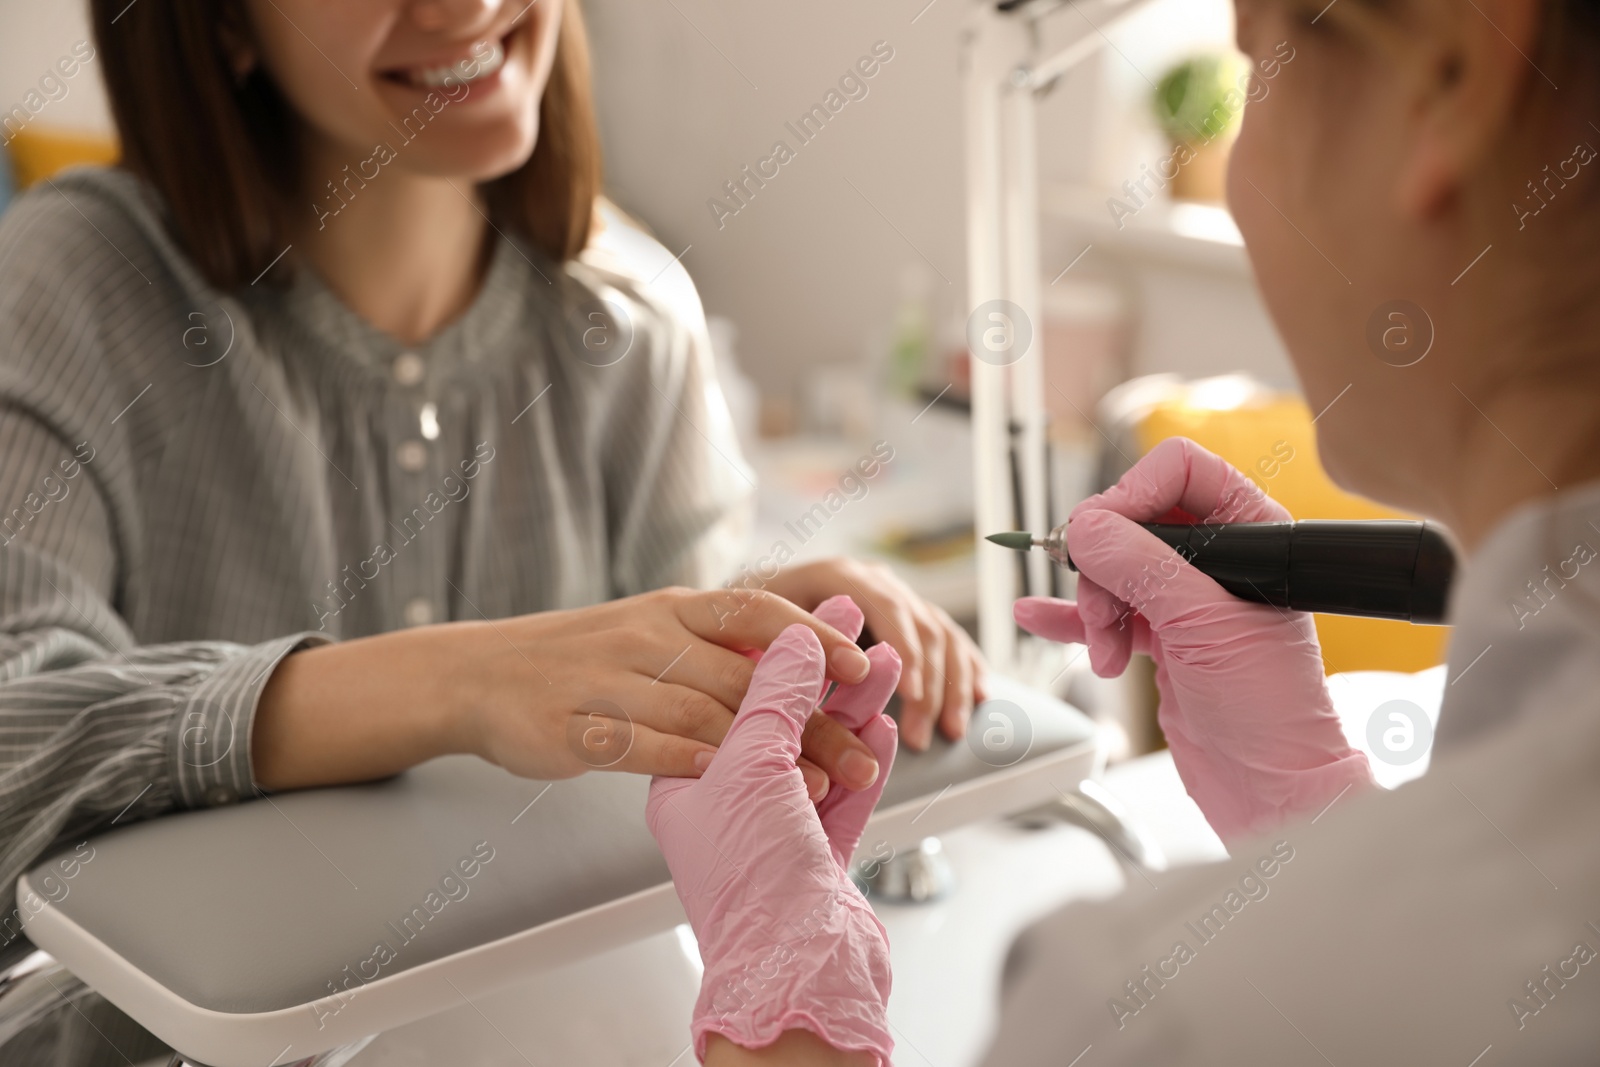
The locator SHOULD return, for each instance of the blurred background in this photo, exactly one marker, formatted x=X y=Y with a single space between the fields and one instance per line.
x=836 y=288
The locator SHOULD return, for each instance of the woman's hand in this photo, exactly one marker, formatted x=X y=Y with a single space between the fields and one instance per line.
x=647 y=684
x=1244 y=701
x=787 y=940
x=943 y=670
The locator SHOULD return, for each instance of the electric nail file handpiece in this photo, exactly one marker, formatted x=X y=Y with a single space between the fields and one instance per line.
x=1378 y=569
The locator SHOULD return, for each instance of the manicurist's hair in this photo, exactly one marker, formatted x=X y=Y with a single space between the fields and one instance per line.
x=221 y=151
x=1570 y=26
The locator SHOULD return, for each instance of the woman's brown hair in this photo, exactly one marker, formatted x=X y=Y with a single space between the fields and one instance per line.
x=221 y=151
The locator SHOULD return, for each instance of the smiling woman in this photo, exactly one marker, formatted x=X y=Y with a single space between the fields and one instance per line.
x=230 y=174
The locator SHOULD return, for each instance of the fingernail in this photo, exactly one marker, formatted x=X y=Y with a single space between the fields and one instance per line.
x=859 y=770
x=817 y=785
x=702 y=760
x=851 y=662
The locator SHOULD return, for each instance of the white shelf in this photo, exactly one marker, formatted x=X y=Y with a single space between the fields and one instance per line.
x=1176 y=232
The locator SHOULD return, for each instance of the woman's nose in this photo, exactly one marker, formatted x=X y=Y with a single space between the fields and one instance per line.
x=459 y=16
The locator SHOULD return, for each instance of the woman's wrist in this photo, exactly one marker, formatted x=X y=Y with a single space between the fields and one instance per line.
x=794 y=1048
x=359 y=710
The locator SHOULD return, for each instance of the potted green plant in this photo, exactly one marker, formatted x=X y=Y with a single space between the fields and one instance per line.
x=1198 y=104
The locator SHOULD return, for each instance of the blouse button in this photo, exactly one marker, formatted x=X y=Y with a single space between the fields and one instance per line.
x=411 y=455
x=408 y=368
x=418 y=612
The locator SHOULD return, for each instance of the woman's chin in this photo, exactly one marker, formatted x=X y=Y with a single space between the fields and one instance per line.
x=480 y=157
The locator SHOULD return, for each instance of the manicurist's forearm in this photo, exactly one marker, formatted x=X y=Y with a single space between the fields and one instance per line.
x=358 y=710
x=795 y=1048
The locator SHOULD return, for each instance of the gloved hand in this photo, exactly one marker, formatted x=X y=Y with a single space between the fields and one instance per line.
x=1244 y=701
x=787 y=940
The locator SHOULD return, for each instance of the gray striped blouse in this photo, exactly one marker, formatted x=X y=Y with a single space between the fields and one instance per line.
x=194 y=485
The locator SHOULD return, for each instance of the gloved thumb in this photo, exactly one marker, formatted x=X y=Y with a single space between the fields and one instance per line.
x=1139 y=569
x=784 y=691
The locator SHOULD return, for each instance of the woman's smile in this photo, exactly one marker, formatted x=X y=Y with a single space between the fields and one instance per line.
x=483 y=68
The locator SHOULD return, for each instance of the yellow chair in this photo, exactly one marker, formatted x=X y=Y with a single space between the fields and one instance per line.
x=1269 y=436
x=37 y=154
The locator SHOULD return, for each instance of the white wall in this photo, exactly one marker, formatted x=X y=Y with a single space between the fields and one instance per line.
x=692 y=90
x=33 y=35
x=809 y=270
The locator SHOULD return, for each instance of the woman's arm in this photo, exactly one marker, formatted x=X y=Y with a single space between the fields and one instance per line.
x=647 y=684
x=96 y=729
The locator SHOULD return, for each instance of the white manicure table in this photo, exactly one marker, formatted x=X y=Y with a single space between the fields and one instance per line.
x=291 y=928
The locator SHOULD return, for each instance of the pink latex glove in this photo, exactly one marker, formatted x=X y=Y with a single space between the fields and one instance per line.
x=1244 y=701
x=787 y=940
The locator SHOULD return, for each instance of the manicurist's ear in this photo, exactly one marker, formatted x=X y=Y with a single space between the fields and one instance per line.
x=238 y=43
x=1470 y=70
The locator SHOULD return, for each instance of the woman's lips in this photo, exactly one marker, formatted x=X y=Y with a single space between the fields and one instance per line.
x=485 y=60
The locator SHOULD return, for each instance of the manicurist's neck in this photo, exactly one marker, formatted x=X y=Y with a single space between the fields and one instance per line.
x=1516 y=446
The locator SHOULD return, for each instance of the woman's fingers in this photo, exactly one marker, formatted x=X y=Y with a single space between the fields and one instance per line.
x=888 y=606
x=753 y=618
x=718 y=673
x=669 y=708
x=647 y=751
x=935 y=680
x=961 y=676
x=845 y=757
x=818 y=784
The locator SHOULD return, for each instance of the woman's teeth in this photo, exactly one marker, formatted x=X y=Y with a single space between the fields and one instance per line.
x=487 y=58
